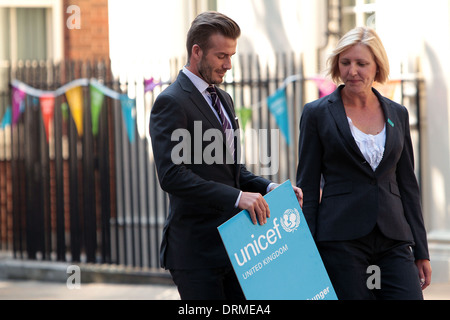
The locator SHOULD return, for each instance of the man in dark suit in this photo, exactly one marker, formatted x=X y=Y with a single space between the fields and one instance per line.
x=205 y=183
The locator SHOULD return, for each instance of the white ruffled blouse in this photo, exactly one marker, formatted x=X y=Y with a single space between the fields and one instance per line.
x=371 y=146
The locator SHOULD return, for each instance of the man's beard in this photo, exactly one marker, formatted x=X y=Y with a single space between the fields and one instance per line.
x=206 y=71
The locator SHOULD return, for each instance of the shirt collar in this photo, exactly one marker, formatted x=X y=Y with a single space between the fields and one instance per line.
x=198 y=82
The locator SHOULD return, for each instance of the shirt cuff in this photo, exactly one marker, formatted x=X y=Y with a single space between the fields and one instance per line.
x=236 y=204
x=271 y=185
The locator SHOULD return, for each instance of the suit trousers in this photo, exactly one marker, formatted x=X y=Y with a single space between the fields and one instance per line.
x=207 y=284
x=372 y=267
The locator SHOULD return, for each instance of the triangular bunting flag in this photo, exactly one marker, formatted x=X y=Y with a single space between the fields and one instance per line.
x=278 y=107
x=75 y=100
x=129 y=115
x=7 y=118
x=97 y=98
x=18 y=97
x=47 y=110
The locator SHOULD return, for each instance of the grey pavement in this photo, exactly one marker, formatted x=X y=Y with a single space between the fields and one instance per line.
x=38 y=280
x=40 y=290
x=44 y=280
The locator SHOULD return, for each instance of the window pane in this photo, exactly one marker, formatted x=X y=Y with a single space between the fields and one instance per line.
x=4 y=34
x=348 y=23
x=348 y=3
x=31 y=32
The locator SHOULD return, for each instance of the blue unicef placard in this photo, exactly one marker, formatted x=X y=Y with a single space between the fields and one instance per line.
x=279 y=260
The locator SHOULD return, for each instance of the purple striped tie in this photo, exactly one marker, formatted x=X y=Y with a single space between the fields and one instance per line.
x=226 y=125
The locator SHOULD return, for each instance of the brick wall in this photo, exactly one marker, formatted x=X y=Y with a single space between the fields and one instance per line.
x=91 y=41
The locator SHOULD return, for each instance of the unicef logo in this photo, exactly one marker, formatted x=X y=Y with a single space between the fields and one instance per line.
x=290 y=220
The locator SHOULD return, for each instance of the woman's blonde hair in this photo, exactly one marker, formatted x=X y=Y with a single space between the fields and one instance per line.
x=368 y=37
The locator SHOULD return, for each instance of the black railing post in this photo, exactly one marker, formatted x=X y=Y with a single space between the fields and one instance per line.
x=103 y=156
x=59 y=183
x=75 y=239
x=88 y=190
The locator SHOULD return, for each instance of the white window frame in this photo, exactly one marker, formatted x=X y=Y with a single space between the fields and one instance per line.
x=360 y=9
x=55 y=25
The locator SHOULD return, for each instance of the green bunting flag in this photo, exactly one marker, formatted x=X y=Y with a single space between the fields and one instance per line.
x=97 y=98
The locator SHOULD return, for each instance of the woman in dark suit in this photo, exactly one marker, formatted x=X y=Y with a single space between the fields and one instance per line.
x=368 y=223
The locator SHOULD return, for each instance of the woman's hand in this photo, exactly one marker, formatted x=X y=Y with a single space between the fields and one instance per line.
x=424 y=267
x=298 y=192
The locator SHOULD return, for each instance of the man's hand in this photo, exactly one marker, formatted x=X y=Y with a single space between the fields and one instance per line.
x=256 y=205
x=298 y=192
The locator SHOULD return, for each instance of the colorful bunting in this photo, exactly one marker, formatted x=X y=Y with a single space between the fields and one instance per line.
x=277 y=103
x=74 y=95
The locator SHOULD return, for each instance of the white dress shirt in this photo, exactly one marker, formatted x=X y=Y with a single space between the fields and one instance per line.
x=371 y=146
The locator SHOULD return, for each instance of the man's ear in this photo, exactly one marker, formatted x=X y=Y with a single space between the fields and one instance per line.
x=197 y=52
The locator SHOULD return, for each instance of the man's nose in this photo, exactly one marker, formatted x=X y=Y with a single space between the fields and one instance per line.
x=227 y=65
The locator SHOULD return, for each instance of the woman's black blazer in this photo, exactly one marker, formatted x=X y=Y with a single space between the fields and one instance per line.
x=355 y=198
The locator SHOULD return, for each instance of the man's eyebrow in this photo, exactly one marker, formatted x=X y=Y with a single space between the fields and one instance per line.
x=225 y=53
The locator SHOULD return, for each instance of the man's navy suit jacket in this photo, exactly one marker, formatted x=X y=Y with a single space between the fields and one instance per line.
x=202 y=196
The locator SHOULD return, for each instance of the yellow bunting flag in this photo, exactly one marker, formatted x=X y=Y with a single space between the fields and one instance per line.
x=75 y=100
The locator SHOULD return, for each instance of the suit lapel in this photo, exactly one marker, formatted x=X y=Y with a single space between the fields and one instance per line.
x=391 y=120
x=199 y=102
x=337 y=110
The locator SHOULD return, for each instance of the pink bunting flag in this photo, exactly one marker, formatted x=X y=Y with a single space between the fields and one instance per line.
x=18 y=97
x=325 y=86
x=150 y=84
